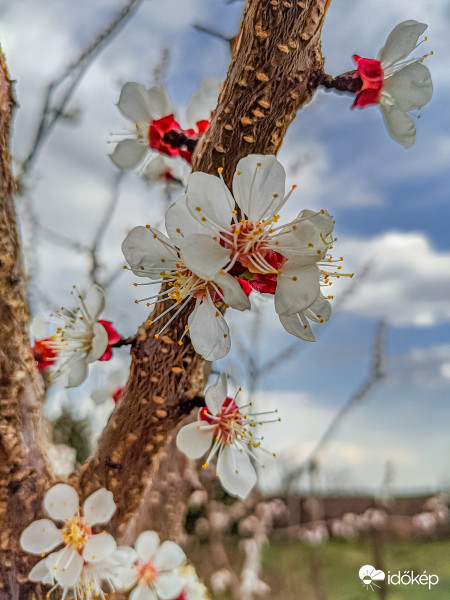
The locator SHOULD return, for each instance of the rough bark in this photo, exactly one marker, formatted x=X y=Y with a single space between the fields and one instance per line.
x=24 y=473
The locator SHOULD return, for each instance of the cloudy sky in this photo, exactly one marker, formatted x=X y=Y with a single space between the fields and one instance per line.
x=391 y=208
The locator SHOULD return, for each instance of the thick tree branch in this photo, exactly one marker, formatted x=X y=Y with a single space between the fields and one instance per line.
x=24 y=471
x=277 y=47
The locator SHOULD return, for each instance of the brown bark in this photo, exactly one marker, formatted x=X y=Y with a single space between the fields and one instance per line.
x=23 y=469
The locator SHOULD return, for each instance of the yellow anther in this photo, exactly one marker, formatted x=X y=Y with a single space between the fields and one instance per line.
x=234 y=212
x=294 y=278
x=258 y=164
x=156 y=335
x=148 y=226
x=204 y=465
x=238 y=172
x=220 y=169
x=180 y=342
x=198 y=208
x=178 y=230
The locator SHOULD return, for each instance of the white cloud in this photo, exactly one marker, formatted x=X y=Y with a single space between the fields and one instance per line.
x=425 y=367
x=409 y=283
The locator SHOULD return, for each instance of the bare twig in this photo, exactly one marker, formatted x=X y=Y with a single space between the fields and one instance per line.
x=103 y=225
x=374 y=378
x=50 y=112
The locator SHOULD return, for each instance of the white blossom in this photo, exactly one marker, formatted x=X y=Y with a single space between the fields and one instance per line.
x=224 y=429
x=82 y=563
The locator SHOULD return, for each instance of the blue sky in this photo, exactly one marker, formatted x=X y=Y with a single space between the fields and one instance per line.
x=391 y=208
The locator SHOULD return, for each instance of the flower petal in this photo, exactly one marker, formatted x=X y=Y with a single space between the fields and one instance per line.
x=99 y=343
x=202 y=255
x=146 y=254
x=40 y=573
x=134 y=103
x=209 y=331
x=258 y=189
x=169 y=556
x=319 y=311
x=233 y=294
x=95 y=302
x=216 y=394
x=99 y=507
x=159 y=102
x=147 y=544
x=401 y=42
x=203 y=101
x=297 y=289
x=298 y=325
x=40 y=537
x=143 y=592
x=180 y=222
x=128 y=154
x=236 y=472
x=400 y=125
x=168 y=586
x=78 y=373
x=302 y=243
x=410 y=87
x=98 y=547
x=66 y=566
x=209 y=198
x=61 y=502
x=194 y=439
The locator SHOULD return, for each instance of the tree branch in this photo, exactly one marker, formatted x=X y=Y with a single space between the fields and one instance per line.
x=24 y=472
x=277 y=46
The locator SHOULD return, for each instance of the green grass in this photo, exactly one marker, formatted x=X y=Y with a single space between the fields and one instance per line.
x=295 y=571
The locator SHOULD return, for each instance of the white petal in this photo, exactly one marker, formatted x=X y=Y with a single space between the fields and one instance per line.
x=298 y=325
x=400 y=126
x=322 y=220
x=65 y=566
x=142 y=249
x=78 y=373
x=233 y=294
x=143 y=592
x=40 y=572
x=41 y=536
x=236 y=472
x=147 y=544
x=202 y=255
x=99 y=547
x=210 y=194
x=297 y=289
x=209 y=331
x=99 y=507
x=193 y=440
x=401 y=42
x=99 y=343
x=38 y=327
x=410 y=87
x=319 y=311
x=256 y=187
x=61 y=502
x=168 y=586
x=295 y=243
x=128 y=154
x=159 y=102
x=134 y=103
x=169 y=556
x=180 y=222
x=216 y=394
x=203 y=101
x=95 y=302
x=124 y=577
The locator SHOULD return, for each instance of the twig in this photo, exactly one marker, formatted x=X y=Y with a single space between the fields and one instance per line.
x=102 y=226
x=376 y=375
x=50 y=112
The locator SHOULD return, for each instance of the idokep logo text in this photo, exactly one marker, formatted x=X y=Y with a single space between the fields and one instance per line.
x=371 y=578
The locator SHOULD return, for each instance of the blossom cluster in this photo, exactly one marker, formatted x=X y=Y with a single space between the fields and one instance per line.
x=220 y=246
x=81 y=559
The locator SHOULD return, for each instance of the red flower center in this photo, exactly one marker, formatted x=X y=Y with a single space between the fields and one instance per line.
x=372 y=76
x=228 y=420
x=156 y=132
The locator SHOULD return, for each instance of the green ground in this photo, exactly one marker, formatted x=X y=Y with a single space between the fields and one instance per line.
x=330 y=572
